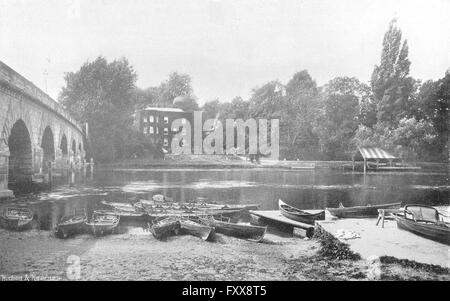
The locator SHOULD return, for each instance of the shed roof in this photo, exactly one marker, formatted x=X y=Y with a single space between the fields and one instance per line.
x=375 y=153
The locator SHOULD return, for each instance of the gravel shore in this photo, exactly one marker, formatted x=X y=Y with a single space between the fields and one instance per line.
x=136 y=255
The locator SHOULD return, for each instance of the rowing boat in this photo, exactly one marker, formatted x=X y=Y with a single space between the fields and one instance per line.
x=299 y=215
x=189 y=214
x=360 y=211
x=196 y=229
x=165 y=227
x=16 y=218
x=254 y=233
x=120 y=206
x=71 y=224
x=103 y=222
x=145 y=205
x=424 y=221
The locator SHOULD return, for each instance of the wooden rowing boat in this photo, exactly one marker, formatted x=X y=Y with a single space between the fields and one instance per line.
x=424 y=221
x=103 y=222
x=71 y=224
x=148 y=205
x=196 y=229
x=254 y=233
x=166 y=213
x=360 y=211
x=300 y=215
x=165 y=227
x=120 y=206
x=16 y=218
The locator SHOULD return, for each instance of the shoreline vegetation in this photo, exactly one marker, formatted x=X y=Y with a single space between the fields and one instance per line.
x=217 y=161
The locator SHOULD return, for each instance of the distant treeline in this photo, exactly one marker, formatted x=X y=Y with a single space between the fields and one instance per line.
x=394 y=111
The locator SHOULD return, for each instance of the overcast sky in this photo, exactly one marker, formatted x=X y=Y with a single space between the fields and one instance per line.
x=227 y=46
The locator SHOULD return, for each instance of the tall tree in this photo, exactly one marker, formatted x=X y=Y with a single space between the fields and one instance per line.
x=266 y=101
x=101 y=94
x=300 y=109
x=178 y=84
x=390 y=82
x=341 y=111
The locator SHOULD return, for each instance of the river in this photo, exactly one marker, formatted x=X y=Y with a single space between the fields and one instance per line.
x=305 y=189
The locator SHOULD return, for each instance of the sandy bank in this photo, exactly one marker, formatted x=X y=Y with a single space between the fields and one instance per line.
x=136 y=255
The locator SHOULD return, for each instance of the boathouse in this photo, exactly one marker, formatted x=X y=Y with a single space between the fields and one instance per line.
x=374 y=157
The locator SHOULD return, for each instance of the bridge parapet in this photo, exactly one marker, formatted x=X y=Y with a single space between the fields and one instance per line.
x=17 y=82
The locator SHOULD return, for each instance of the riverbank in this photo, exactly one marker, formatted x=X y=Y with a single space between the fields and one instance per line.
x=136 y=255
x=227 y=162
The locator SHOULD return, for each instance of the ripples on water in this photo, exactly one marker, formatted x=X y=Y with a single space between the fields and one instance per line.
x=303 y=189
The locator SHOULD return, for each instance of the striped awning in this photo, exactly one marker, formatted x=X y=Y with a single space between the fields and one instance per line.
x=375 y=153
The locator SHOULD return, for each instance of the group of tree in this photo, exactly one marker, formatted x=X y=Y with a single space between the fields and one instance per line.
x=394 y=111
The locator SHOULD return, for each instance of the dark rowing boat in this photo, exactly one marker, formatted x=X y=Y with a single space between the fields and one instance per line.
x=299 y=215
x=16 y=218
x=360 y=211
x=127 y=212
x=103 y=222
x=165 y=227
x=424 y=221
x=71 y=224
x=254 y=233
x=202 y=231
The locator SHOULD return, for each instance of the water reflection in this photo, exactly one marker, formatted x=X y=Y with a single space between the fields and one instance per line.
x=303 y=189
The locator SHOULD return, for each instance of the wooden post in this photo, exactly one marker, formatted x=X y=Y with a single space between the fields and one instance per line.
x=364 y=165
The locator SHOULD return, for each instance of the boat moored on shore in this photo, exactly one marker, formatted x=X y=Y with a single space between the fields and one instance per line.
x=193 y=228
x=360 y=211
x=71 y=224
x=254 y=233
x=424 y=221
x=103 y=222
x=300 y=215
x=16 y=218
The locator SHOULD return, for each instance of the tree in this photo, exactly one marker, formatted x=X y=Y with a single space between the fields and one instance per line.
x=390 y=82
x=340 y=114
x=211 y=109
x=266 y=101
x=415 y=137
x=441 y=116
x=300 y=108
x=186 y=103
x=146 y=97
x=178 y=85
x=239 y=109
x=101 y=94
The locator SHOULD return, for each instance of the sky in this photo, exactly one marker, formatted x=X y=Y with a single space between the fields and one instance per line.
x=228 y=47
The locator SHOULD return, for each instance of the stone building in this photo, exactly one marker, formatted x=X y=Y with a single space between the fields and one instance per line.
x=156 y=124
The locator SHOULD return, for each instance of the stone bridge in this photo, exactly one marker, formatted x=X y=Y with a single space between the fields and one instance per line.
x=34 y=130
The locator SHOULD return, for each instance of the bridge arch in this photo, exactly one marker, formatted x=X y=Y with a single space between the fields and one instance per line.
x=63 y=146
x=48 y=148
x=20 y=167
